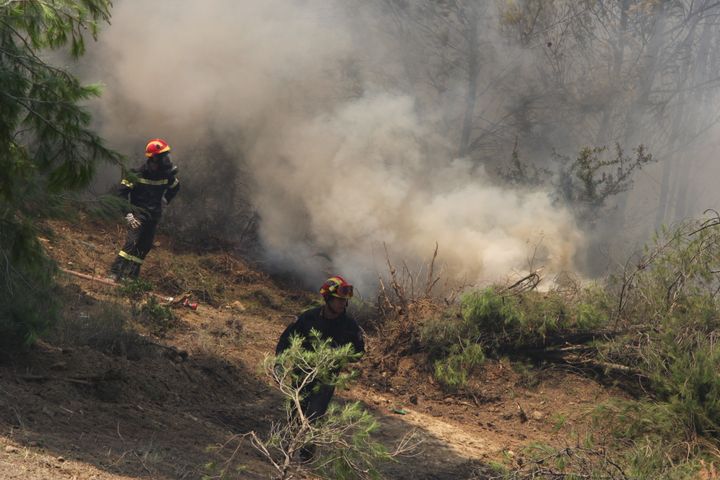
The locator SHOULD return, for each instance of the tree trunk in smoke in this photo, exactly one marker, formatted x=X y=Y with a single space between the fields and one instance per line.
x=677 y=131
x=681 y=210
x=473 y=72
x=618 y=57
x=685 y=130
x=663 y=199
x=668 y=167
x=647 y=78
x=618 y=219
x=693 y=124
x=647 y=75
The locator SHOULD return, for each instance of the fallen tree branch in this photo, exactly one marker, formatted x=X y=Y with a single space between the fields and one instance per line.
x=112 y=283
x=525 y=284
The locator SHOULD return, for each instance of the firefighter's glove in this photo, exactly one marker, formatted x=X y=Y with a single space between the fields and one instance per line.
x=132 y=221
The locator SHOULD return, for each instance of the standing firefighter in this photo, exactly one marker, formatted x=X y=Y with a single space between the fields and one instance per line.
x=145 y=188
x=332 y=323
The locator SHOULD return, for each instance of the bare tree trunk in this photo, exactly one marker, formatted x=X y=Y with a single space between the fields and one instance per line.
x=473 y=65
x=648 y=74
x=664 y=209
x=664 y=198
x=699 y=65
x=633 y=116
x=602 y=137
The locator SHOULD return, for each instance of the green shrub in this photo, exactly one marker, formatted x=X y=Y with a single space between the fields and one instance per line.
x=503 y=322
x=628 y=420
x=29 y=304
x=135 y=288
x=439 y=333
x=490 y=317
x=691 y=385
x=159 y=317
x=652 y=439
x=452 y=371
x=671 y=299
x=592 y=310
x=456 y=341
x=145 y=306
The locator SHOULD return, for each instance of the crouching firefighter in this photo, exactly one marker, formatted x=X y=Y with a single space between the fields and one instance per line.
x=331 y=322
x=146 y=187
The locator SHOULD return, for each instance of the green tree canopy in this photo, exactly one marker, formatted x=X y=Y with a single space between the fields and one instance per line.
x=46 y=146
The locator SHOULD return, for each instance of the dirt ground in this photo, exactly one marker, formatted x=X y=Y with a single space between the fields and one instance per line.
x=95 y=400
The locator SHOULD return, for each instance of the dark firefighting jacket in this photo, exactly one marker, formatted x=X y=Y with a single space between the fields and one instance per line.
x=340 y=331
x=145 y=189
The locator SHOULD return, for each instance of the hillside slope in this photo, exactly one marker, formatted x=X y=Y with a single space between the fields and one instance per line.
x=104 y=398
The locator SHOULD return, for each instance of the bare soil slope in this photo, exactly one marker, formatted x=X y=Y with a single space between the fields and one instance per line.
x=96 y=400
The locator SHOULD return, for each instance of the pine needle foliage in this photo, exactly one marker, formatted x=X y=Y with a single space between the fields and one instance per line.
x=452 y=371
x=668 y=319
x=47 y=149
x=343 y=436
x=496 y=322
x=501 y=322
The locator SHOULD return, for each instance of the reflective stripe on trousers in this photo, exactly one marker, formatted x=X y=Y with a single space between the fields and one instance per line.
x=132 y=258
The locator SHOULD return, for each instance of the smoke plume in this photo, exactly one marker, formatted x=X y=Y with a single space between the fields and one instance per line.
x=339 y=164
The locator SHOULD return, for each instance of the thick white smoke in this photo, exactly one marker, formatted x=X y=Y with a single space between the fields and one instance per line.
x=338 y=171
x=363 y=176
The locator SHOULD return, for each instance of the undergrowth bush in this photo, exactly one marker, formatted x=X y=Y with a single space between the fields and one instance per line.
x=658 y=322
x=689 y=383
x=667 y=323
x=506 y=321
x=145 y=307
x=652 y=439
x=452 y=371
x=134 y=289
x=669 y=320
x=495 y=322
x=158 y=317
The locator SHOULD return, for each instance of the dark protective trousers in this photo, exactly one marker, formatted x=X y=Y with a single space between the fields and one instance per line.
x=315 y=404
x=138 y=243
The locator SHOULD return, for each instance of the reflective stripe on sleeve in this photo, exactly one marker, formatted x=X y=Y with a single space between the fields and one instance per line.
x=127 y=183
x=145 y=181
x=175 y=183
x=132 y=258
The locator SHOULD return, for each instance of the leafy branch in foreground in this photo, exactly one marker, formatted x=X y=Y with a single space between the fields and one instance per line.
x=343 y=435
x=46 y=148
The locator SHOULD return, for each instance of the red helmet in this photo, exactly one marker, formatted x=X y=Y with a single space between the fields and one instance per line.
x=156 y=146
x=336 y=286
